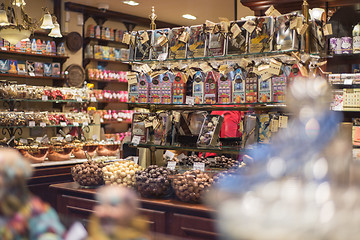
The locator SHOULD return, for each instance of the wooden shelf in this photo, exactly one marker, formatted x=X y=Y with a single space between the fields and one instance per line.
x=29 y=77
x=105 y=81
x=116 y=122
x=59 y=58
x=102 y=60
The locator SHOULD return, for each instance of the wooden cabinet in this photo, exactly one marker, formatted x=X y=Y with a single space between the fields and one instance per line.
x=170 y=217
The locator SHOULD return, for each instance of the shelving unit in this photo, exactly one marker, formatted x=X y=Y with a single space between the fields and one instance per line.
x=9 y=75
x=29 y=54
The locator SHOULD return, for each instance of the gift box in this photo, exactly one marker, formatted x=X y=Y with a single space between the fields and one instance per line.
x=210 y=90
x=143 y=88
x=178 y=88
x=22 y=68
x=39 y=69
x=166 y=84
x=209 y=133
x=238 y=86
x=13 y=67
x=238 y=44
x=30 y=67
x=285 y=38
x=264 y=128
x=260 y=38
x=55 y=69
x=143 y=48
x=251 y=88
x=160 y=43
x=155 y=90
x=279 y=84
x=224 y=89
x=197 y=42
x=216 y=44
x=138 y=127
x=133 y=91
x=198 y=87
x=47 y=69
x=265 y=91
x=163 y=130
x=177 y=48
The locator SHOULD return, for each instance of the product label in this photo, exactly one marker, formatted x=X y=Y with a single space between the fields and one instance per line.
x=63 y=124
x=169 y=155
x=136 y=140
x=32 y=124
x=42 y=124
x=356 y=44
x=199 y=166
x=171 y=165
x=44 y=98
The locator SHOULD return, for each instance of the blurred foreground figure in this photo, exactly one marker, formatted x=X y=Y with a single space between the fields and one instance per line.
x=23 y=216
x=116 y=217
x=296 y=187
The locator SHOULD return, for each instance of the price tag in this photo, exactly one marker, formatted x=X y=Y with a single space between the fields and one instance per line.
x=131 y=78
x=155 y=123
x=328 y=29
x=184 y=37
x=126 y=38
x=136 y=140
x=294 y=23
x=176 y=116
x=145 y=68
x=32 y=124
x=79 y=99
x=162 y=56
x=42 y=124
x=32 y=74
x=244 y=63
x=136 y=160
x=44 y=98
x=348 y=82
x=148 y=124
x=144 y=37
x=23 y=141
x=199 y=166
x=93 y=99
x=3 y=49
x=162 y=40
x=63 y=124
x=274 y=125
x=171 y=165
x=190 y=100
x=249 y=26
x=59 y=139
x=181 y=156
x=301 y=30
x=283 y=121
x=85 y=124
x=76 y=124
x=205 y=67
x=169 y=155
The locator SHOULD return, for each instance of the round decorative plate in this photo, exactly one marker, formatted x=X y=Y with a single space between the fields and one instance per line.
x=75 y=75
x=74 y=41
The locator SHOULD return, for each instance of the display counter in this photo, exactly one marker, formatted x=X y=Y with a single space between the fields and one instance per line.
x=170 y=217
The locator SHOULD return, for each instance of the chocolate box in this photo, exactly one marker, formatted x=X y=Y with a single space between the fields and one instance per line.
x=265 y=93
x=143 y=88
x=138 y=127
x=55 y=70
x=47 y=69
x=210 y=87
x=285 y=38
x=133 y=93
x=260 y=38
x=143 y=50
x=155 y=90
x=251 y=88
x=197 y=42
x=224 y=89
x=238 y=86
x=177 y=49
x=279 y=84
x=13 y=67
x=166 y=85
x=157 y=47
x=30 y=67
x=216 y=44
x=178 y=88
x=209 y=133
x=198 y=87
x=22 y=68
x=39 y=69
x=239 y=44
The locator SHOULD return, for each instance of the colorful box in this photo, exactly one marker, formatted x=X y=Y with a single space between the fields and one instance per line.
x=210 y=87
x=22 y=68
x=138 y=127
x=198 y=87
x=98 y=53
x=238 y=86
x=260 y=38
x=280 y=84
x=251 y=88
x=55 y=70
x=224 y=89
x=13 y=67
x=197 y=42
x=177 y=48
x=159 y=47
x=265 y=91
x=133 y=91
x=30 y=68
x=155 y=90
x=39 y=69
x=143 y=88
x=166 y=81
x=178 y=88
x=47 y=69
x=264 y=128
x=143 y=49
x=239 y=44
x=216 y=45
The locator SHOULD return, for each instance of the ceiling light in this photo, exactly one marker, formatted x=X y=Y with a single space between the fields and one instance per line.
x=131 y=3
x=189 y=16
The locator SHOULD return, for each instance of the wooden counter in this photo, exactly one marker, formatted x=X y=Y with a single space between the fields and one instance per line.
x=170 y=217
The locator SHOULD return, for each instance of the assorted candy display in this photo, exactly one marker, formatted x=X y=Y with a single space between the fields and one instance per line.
x=110 y=96
x=106 y=75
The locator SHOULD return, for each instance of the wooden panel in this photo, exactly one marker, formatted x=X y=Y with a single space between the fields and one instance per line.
x=156 y=219
x=191 y=227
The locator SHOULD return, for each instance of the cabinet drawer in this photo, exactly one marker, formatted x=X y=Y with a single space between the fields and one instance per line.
x=191 y=227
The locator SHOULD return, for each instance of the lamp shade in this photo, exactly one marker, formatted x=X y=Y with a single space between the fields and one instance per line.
x=47 y=22
x=55 y=32
x=14 y=35
x=3 y=18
